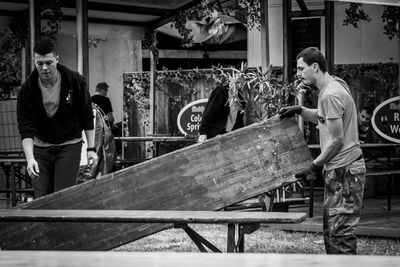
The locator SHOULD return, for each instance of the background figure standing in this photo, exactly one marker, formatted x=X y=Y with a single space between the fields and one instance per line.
x=364 y=123
x=53 y=109
x=100 y=98
x=219 y=115
x=341 y=154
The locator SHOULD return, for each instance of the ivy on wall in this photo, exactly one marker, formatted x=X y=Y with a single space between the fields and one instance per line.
x=263 y=93
x=13 y=40
x=258 y=94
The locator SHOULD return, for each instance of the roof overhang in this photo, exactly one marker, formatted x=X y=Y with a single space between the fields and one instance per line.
x=148 y=13
x=372 y=2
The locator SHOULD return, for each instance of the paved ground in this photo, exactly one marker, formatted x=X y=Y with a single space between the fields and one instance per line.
x=376 y=220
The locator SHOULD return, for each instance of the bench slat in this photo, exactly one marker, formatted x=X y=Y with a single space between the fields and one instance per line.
x=150 y=216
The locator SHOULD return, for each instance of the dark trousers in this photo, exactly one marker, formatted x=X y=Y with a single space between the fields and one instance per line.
x=58 y=168
x=343 y=198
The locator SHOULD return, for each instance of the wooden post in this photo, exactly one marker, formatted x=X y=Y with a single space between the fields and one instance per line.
x=82 y=38
x=265 y=59
x=287 y=64
x=152 y=92
x=330 y=35
x=24 y=63
x=34 y=28
x=300 y=99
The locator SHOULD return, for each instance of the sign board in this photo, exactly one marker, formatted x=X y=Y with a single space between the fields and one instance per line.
x=189 y=118
x=386 y=119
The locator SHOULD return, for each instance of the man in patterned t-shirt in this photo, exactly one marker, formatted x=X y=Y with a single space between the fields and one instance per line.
x=341 y=155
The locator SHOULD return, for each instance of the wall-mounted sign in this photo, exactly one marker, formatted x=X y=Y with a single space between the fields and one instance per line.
x=386 y=119
x=189 y=118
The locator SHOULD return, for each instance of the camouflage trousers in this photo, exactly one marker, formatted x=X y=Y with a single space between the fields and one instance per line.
x=343 y=198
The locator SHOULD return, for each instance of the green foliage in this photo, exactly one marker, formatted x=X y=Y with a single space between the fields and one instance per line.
x=54 y=17
x=15 y=38
x=355 y=14
x=150 y=41
x=259 y=94
x=253 y=10
x=185 y=79
x=390 y=18
x=10 y=62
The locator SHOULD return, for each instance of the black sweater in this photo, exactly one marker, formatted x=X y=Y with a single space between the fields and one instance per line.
x=216 y=113
x=73 y=115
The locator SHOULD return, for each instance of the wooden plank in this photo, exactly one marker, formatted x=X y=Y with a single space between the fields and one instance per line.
x=219 y=172
x=149 y=259
x=387 y=173
x=150 y=216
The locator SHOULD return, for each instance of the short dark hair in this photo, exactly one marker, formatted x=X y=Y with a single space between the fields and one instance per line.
x=101 y=86
x=367 y=109
x=44 y=47
x=312 y=55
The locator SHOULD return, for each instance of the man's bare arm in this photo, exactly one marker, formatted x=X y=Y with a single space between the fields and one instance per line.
x=31 y=166
x=335 y=143
x=309 y=114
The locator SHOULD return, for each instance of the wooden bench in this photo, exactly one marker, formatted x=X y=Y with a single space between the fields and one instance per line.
x=243 y=222
x=390 y=175
x=10 y=164
x=150 y=259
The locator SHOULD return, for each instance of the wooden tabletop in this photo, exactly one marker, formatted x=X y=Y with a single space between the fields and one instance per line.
x=153 y=259
x=13 y=159
x=149 y=216
x=365 y=145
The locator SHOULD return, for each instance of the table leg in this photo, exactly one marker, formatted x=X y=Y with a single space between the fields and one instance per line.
x=12 y=183
x=241 y=238
x=389 y=203
x=311 y=201
x=231 y=238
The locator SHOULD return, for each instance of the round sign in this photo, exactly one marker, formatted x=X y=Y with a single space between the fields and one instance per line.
x=386 y=119
x=189 y=118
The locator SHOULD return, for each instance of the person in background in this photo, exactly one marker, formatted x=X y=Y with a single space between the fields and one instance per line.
x=100 y=99
x=364 y=123
x=341 y=155
x=53 y=109
x=220 y=115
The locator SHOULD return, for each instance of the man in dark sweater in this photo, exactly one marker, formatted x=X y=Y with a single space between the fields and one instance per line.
x=54 y=107
x=100 y=99
x=364 y=123
x=219 y=115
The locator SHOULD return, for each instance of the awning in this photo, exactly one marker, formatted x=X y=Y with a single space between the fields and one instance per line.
x=214 y=30
x=372 y=2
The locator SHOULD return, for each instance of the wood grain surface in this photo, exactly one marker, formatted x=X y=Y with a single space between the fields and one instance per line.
x=219 y=172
